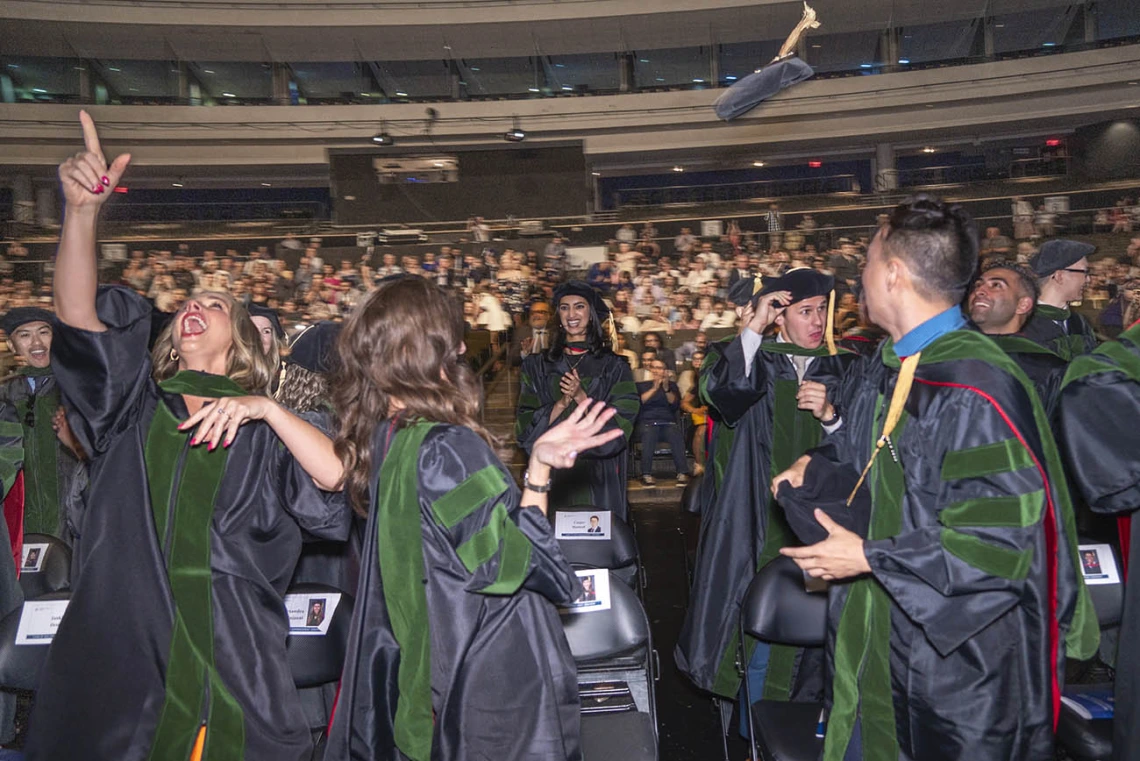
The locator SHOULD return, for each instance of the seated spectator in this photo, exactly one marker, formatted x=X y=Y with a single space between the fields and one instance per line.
x=995 y=243
x=684 y=319
x=602 y=276
x=656 y=320
x=626 y=234
x=652 y=340
x=621 y=348
x=660 y=401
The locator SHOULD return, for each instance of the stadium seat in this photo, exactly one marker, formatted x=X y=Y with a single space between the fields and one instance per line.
x=778 y=609
x=20 y=665
x=1091 y=739
x=55 y=570
x=618 y=553
x=316 y=661
x=614 y=647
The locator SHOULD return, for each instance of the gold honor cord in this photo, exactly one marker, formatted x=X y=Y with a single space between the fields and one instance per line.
x=894 y=412
x=829 y=329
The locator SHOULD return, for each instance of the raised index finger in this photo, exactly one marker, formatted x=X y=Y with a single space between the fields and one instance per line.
x=91 y=135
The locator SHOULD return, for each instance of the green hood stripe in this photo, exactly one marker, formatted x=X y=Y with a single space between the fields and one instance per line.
x=192 y=679
x=1000 y=457
x=401 y=557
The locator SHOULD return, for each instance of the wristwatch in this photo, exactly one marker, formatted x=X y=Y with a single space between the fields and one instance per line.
x=534 y=487
x=834 y=417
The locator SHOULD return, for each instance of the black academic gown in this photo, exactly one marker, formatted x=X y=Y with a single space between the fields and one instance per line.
x=1100 y=434
x=758 y=432
x=1044 y=367
x=503 y=681
x=53 y=475
x=118 y=677
x=1062 y=331
x=953 y=646
x=599 y=477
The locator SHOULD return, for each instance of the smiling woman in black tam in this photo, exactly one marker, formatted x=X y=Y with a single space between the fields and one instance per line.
x=580 y=364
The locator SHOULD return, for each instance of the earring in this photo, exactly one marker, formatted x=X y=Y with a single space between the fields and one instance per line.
x=173 y=355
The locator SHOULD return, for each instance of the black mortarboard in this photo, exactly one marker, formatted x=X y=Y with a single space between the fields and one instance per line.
x=315 y=348
x=757 y=87
x=827 y=487
x=742 y=291
x=592 y=297
x=802 y=283
x=1057 y=254
x=22 y=316
x=257 y=310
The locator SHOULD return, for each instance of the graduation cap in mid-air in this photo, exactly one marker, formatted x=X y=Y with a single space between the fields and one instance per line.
x=783 y=72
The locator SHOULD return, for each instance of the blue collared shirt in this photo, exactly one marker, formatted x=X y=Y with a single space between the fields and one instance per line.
x=925 y=334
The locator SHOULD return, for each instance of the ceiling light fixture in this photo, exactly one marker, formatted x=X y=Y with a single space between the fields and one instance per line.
x=515 y=134
x=928 y=149
x=757 y=163
x=678 y=169
x=382 y=137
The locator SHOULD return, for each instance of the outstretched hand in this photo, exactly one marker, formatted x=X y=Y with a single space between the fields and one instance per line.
x=560 y=446
x=86 y=176
x=219 y=421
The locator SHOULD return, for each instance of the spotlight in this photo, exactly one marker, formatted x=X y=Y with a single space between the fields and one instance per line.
x=678 y=168
x=928 y=149
x=515 y=134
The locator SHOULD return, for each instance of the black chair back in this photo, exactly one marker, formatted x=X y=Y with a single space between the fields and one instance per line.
x=55 y=570
x=619 y=551
x=20 y=665
x=316 y=660
x=778 y=608
x=691 y=496
x=604 y=634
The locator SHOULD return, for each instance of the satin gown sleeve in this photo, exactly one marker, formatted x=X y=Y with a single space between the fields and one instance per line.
x=965 y=563
x=322 y=514
x=105 y=375
x=474 y=502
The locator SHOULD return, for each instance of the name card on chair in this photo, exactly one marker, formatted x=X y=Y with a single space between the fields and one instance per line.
x=32 y=557
x=595 y=594
x=582 y=524
x=310 y=613
x=39 y=621
x=1098 y=564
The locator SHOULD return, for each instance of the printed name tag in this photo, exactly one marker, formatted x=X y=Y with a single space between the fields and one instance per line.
x=32 y=558
x=595 y=594
x=39 y=621
x=1097 y=564
x=582 y=525
x=310 y=613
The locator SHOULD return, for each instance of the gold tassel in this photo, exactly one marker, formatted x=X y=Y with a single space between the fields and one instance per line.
x=611 y=328
x=894 y=412
x=757 y=285
x=829 y=329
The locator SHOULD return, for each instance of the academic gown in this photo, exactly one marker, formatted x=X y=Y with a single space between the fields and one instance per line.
x=953 y=646
x=1063 y=331
x=600 y=476
x=1100 y=434
x=52 y=474
x=759 y=431
x=1044 y=367
x=176 y=616
x=451 y=559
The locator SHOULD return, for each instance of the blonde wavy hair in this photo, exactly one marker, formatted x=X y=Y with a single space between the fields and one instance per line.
x=247 y=365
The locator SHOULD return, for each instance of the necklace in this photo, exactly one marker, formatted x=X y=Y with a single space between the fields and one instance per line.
x=581 y=356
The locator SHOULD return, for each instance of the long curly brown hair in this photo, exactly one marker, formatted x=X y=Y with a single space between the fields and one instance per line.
x=402 y=343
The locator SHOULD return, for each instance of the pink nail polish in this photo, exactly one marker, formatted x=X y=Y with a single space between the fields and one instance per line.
x=106 y=180
x=212 y=445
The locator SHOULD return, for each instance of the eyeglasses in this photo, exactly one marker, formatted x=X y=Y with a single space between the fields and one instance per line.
x=1084 y=272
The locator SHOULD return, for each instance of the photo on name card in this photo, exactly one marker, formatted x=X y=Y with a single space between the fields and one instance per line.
x=580 y=524
x=1098 y=565
x=311 y=613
